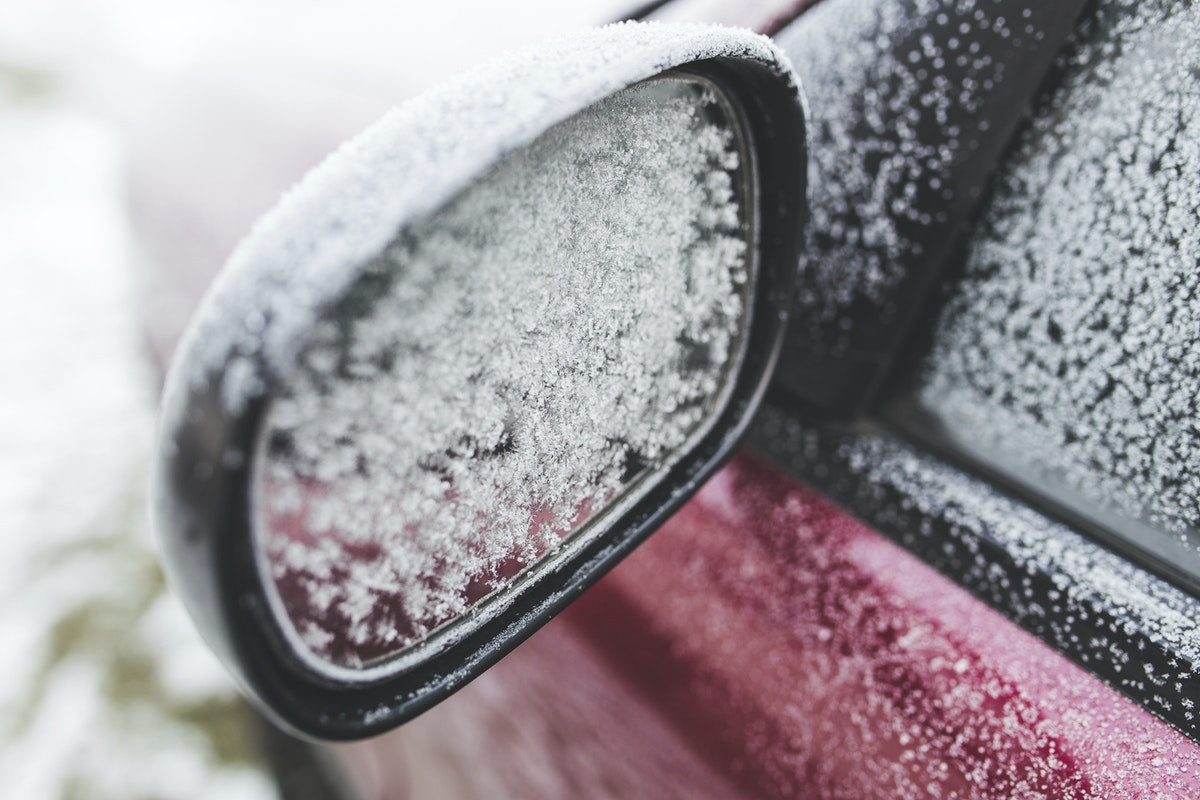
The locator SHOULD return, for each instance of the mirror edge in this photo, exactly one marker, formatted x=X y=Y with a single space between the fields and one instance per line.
x=201 y=504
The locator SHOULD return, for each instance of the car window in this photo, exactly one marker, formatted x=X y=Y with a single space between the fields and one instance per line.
x=1068 y=355
x=1033 y=198
x=911 y=106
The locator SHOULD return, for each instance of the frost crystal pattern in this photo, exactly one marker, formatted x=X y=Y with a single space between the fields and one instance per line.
x=504 y=371
x=1071 y=348
x=887 y=138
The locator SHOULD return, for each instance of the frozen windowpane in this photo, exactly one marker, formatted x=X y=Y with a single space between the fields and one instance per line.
x=1070 y=354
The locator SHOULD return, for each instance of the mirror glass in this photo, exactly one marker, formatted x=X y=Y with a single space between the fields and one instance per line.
x=506 y=376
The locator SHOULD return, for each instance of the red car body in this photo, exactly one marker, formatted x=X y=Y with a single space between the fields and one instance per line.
x=769 y=643
x=766 y=644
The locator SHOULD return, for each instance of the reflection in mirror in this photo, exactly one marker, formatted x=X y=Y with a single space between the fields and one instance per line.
x=512 y=371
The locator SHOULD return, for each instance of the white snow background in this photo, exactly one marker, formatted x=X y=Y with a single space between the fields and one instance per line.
x=105 y=689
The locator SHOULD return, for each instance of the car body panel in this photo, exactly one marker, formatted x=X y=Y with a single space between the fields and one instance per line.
x=765 y=641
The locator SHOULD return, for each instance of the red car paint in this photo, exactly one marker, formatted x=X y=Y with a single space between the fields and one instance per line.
x=765 y=644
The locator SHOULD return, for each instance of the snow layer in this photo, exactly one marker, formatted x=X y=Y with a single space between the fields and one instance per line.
x=409 y=164
x=1070 y=349
x=360 y=202
x=886 y=137
x=504 y=370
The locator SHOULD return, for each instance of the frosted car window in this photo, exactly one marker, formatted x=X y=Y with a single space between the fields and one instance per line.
x=1070 y=354
x=457 y=416
x=911 y=105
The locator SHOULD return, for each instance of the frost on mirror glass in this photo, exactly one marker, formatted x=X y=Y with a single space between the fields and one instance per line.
x=505 y=371
x=1072 y=349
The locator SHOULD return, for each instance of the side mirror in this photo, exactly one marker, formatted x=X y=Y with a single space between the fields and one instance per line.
x=473 y=359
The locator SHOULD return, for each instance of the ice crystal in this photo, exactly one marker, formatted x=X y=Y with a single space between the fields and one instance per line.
x=881 y=143
x=409 y=164
x=1070 y=349
x=504 y=370
x=333 y=235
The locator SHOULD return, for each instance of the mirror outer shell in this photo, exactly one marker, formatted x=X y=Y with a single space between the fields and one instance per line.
x=309 y=248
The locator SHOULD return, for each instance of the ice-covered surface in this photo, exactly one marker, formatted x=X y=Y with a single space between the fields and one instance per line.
x=881 y=140
x=1090 y=578
x=505 y=370
x=1126 y=626
x=927 y=693
x=801 y=655
x=315 y=244
x=1071 y=350
x=406 y=166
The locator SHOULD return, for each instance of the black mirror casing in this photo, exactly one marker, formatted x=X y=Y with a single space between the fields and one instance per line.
x=222 y=380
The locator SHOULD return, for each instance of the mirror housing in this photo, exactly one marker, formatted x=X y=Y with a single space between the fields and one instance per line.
x=308 y=252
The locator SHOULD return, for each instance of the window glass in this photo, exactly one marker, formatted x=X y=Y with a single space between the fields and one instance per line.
x=1069 y=354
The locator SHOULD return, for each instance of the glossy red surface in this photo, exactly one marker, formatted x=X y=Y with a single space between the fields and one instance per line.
x=764 y=644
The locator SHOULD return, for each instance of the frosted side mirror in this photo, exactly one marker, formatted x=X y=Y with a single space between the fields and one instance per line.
x=473 y=359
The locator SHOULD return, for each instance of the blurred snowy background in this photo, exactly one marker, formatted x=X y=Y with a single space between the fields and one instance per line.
x=105 y=690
